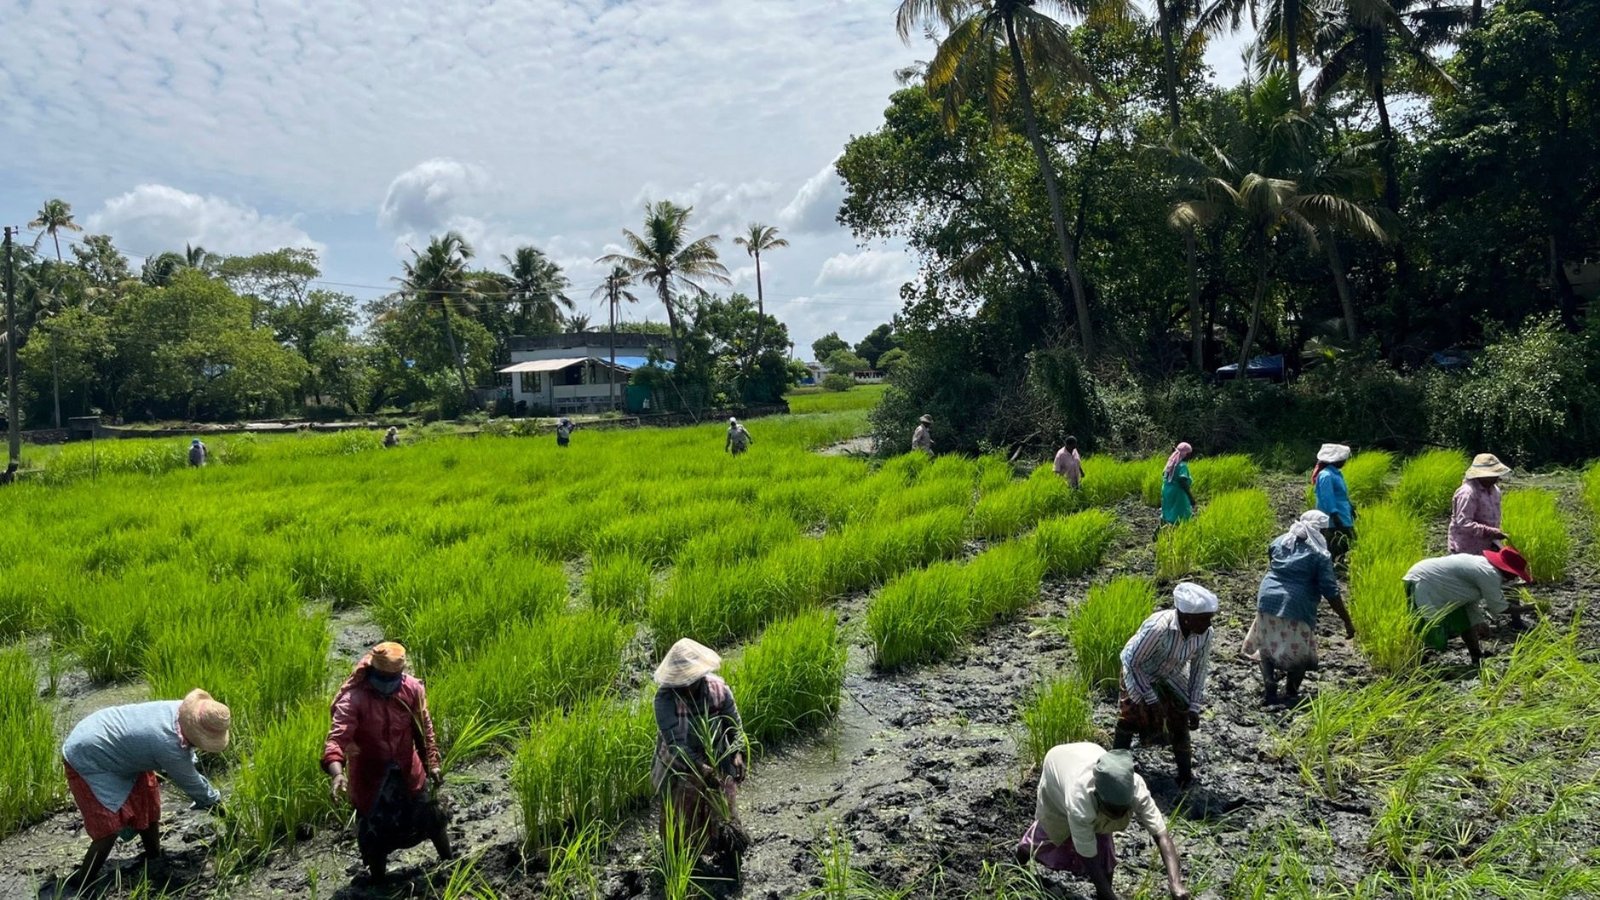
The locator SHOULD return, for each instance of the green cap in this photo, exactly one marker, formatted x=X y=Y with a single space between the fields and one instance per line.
x=1113 y=778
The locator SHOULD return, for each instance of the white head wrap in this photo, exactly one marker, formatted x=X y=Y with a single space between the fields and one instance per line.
x=1333 y=454
x=687 y=662
x=1189 y=597
x=732 y=421
x=1309 y=529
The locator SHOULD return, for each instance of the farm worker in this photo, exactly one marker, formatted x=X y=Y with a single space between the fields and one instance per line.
x=1284 y=633
x=699 y=759
x=1475 y=508
x=564 y=432
x=1456 y=595
x=1164 y=668
x=739 y=440
x=1177 y=487
x=112 y=758
x=391 y=438
x=381 y=751
x=197 y=453
x=1327 y=480
x=1068 y=465
x=1088 y=794
x=922 y=438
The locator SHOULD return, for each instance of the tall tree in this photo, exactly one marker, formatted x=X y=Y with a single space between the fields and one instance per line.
x=538 y=287
x=756 y=240
x=668 y=260
x=53 y=217
x=987 y=51
x=615 y=290
x=437 y=278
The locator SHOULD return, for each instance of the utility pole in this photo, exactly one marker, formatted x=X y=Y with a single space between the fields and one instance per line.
x=13 y=414
x=611 y=303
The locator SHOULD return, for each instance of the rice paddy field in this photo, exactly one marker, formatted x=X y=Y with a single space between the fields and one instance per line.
x=905 y=638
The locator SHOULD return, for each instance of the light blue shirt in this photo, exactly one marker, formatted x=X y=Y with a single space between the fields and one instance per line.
x=113 y=747
x=1333 y=498
x=1297 y=578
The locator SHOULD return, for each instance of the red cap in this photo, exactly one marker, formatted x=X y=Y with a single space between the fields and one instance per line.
x=1508 y=560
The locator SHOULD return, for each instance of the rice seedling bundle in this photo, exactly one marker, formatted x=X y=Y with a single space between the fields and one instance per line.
x=1390 y=541
x=993 y=473
x=1366 y=479
x=718 y=606
x=788 y=681
x=587 y=766
x=620 y=584
x=736 y=542
x=1012 y=509
x=1003 y=581
x=920 y=616
x=1229 y=533
x=281 y=789
x=862 y=556
x=1072 y=545
x=656 y=536
x=1213 y=475
x=1590 y=491
x=929 y=494
x=1537 y=527
x=1105 y=620
x=1108 y=481
x=1057 y=712
x=31 y=779
x=1428 y=481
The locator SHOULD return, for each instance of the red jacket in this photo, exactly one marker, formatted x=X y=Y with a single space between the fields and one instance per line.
x=371 y=730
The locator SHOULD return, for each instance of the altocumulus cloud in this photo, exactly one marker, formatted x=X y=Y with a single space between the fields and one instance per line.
x=153 y=218
x=867 y=267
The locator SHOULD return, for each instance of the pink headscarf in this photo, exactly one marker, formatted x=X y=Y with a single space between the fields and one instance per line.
x=1179 y=454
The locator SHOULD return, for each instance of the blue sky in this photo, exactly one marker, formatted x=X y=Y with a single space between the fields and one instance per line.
x=359 y=128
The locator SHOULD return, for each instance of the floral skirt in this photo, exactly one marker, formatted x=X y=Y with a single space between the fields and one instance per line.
x=1286 y=643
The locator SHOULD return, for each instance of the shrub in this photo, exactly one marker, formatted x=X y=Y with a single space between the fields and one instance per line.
x=1428 y=481
x=833 y=381
x=1537 y=527
x=1230 y=532
x=1073 y=545
x=1390 y=543
x=32 y=784
x=788 y=681
x=1058 y=712
x=1213 y=475
x=280 y=790
x=581 y=768
x=920 y=616
x=1104 y=622
x=620 y=584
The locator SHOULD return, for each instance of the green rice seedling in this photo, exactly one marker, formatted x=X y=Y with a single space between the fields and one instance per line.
x=1075 y=544
x=620 y=584
x=1003 y=581
x=928 y=494
x=736 y=542
x=1057 y=712
x=1108 y=481
x=1391 y=542
x=993 y=473
x=581 y=768
x=574 y=864
x=919 y=617
x=31 y=782
x=1366 y=479
x=788 y=681
x=1590 y=490
x=532 y=667
x=1105 y=620
x=1013 y=508
x=1213 y=476
x=1536 y=526
x=860 y=397
x=718 y=606
x=280 y=791
x=862 y=556
x=1428 y=481
x=1229 y=533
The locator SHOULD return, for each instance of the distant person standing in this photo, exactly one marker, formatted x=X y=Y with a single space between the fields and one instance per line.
x=1164 y=670
x=1475 y=508
x=197 y=453
x=1177 y=487
x=564 y=431
x=922 y=438
x=391 y=438
x=739 y=440
x=1333 y=498
x=1067 y=464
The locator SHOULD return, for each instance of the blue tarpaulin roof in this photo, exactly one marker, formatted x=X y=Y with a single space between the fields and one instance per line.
x=638 y=362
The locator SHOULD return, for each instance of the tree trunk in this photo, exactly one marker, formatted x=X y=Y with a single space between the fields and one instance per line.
x=1069 y=259
x=1561 y=288
x=611 y=304
x=1477 y=13
x=761 y=303
x=57 y=238
x=672 y=321
x=455 y=355
x=1391 y=178
x=1291 y=37
x=1191 y=252
x=1336 y=265
x=1262 y=267
x=1164 y=13
x=55 y=378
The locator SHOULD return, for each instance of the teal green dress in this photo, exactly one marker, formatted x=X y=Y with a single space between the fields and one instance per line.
x=1175 y=505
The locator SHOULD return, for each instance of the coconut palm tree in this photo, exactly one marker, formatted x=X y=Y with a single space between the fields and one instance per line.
x=996 y=50
x=538 y=287
x=668 y=260
x=438 y=278
x=757 y=239
x=578 y=322
x=615 y=290
x=54 y=216
x=159 y=270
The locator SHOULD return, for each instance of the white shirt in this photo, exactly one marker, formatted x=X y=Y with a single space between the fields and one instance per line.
x=1458 y=580
x=1066 y=806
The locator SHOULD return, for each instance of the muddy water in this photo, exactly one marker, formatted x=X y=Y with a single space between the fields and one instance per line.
x=919 y=777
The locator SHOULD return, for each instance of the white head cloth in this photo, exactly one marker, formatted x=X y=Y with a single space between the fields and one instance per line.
x=1309 y=529
x=1331 y=454
x=1189 y=597
x=687 y=662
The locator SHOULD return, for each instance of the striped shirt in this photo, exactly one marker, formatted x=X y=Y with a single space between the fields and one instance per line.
x=1159 y=653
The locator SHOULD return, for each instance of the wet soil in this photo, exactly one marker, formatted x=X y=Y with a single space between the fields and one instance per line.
x=919 y=777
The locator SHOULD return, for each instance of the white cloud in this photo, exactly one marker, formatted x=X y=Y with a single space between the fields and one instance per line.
x=867 y=267
x=816 y=205
x=153 y=218
x=427 y=197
